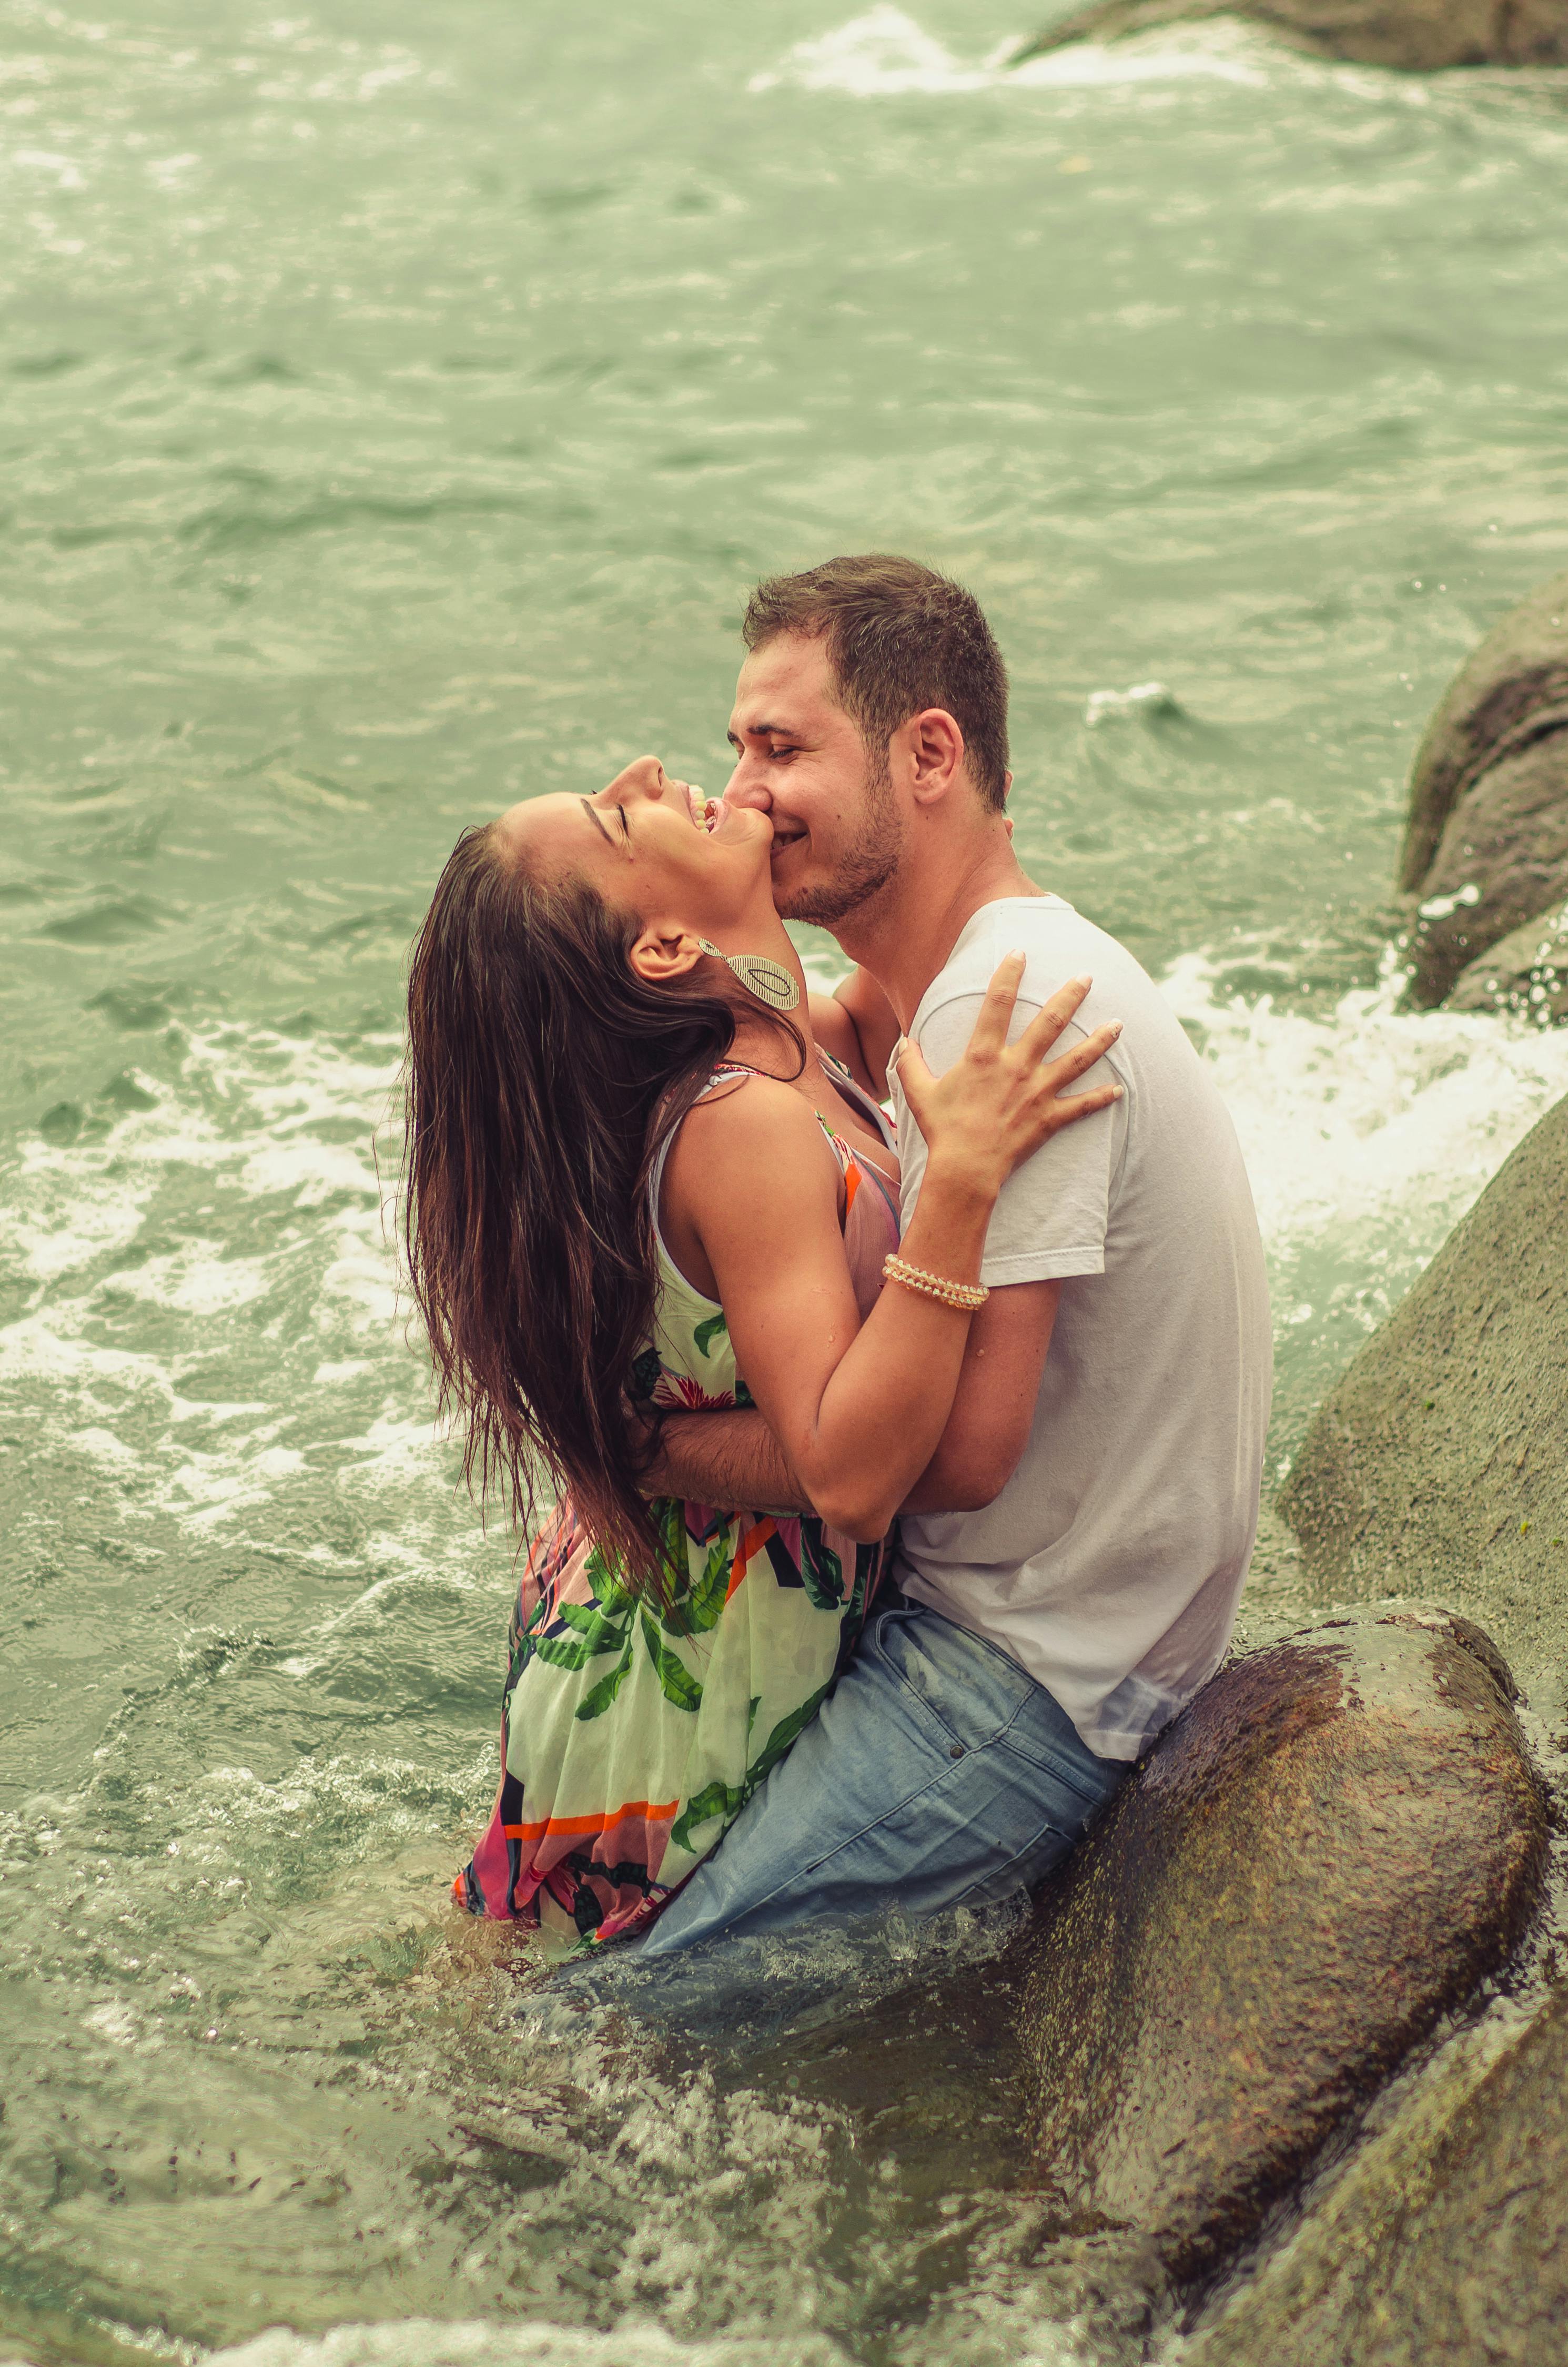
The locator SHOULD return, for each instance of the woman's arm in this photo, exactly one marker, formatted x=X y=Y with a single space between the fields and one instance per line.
x=858 y=1410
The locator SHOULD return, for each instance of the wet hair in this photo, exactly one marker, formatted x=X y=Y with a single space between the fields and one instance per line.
x=543 y=1076
x=900 y=637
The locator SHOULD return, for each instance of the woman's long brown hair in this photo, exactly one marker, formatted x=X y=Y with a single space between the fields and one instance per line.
x=543 y=1075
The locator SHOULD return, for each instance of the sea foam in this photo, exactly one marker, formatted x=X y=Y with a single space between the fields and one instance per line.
x=884 y=53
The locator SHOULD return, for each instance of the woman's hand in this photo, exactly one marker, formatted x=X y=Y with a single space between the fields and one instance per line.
x=995 y=1108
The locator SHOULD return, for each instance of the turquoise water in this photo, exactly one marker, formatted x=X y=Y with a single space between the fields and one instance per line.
x=397 y=405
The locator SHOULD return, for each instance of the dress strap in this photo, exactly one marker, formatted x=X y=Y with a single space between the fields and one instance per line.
x=718 y=1074
x=855 y=1093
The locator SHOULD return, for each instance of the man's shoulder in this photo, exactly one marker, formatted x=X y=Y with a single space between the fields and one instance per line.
x=1059 y=941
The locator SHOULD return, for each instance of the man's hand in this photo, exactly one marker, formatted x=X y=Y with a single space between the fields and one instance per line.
x=728 y=1459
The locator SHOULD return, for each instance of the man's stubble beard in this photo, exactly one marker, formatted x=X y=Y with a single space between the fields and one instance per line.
x=866 y=866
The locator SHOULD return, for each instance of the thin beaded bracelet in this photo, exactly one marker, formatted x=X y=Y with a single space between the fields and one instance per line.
x=966 y=1295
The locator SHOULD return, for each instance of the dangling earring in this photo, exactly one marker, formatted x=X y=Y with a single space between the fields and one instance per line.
x=768 y=980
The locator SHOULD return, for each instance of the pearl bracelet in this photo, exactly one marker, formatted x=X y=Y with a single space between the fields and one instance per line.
x=966 y=1295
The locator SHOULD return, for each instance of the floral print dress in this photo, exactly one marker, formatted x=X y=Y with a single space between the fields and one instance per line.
x=631 y=1737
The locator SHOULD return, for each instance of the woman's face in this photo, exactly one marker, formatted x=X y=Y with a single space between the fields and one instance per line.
x=651 y=845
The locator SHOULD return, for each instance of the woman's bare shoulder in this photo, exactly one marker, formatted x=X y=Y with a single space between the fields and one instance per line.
x=751 y=1134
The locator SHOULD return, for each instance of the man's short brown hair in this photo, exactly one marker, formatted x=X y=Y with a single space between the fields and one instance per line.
x=900 y=637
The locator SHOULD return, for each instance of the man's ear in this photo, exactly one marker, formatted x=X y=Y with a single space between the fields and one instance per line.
x=935 y=748
x=663 y=952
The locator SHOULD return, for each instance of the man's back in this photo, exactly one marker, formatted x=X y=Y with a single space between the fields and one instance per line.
x=1110 y=1565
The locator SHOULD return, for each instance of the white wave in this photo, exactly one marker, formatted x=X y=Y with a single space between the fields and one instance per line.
x=884 y=53
x=425 y=2342
x=1140 y=698
x=1371 y=1112
x=97 y=1230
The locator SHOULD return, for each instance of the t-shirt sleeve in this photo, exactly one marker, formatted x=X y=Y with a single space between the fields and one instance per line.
x=1051 y=1217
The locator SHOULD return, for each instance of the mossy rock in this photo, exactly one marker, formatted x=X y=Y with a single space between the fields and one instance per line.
x=1525 y=973
x=1329 y=1850
x=1419 y=36
x=1487 y=842
x=1445 y=2241
x=1438 y=1462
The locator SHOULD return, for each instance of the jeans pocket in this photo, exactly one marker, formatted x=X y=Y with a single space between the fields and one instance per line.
x=1029 y=1866
x=962 y=1691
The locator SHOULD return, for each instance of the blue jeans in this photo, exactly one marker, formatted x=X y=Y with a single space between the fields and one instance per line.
x=939 y=1776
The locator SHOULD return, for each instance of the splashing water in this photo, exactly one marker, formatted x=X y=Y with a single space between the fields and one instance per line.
x=398 y=413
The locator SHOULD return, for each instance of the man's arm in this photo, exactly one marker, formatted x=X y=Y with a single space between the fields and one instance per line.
x=725 y=1459
x=994 y=1410
x=731 y=1459
x=855 y=1024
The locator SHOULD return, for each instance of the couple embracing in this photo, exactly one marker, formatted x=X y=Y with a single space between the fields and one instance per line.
x=906 y=1471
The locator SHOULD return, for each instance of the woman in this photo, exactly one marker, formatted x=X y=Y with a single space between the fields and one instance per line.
x=633 y=1179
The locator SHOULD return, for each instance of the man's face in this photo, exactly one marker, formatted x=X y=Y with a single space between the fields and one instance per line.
x=837 y=831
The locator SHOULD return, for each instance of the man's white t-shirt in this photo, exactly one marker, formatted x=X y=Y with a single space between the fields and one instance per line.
x=1111 y=1563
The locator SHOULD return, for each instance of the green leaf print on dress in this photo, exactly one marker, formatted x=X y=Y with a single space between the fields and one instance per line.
x=822 y=1572
x=727 y=1800
x=676 y=1678
x=594 y=1703
x=704 y=1334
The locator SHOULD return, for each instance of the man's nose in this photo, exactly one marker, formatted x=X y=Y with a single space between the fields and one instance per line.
x=745 y=788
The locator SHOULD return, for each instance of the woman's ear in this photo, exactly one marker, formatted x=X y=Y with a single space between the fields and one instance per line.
x=663 y=952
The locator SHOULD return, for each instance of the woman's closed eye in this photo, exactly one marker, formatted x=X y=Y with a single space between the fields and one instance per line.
x=596 y=818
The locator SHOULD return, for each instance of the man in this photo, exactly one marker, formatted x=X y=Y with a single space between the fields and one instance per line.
x=1070 y=1562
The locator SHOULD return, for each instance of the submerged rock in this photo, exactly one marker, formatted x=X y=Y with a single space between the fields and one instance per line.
x=1328 y=1850
x=1446 y=2242
x=1486 y=844
x=1437 y=1465
x=1419 y=35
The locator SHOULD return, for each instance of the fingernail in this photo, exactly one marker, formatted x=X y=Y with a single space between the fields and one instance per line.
x=1115 y=1093
x=1115 y=1029
x=1017 y=954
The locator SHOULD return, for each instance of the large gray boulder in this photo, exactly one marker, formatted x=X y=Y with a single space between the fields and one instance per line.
x=1439 y=1464
x=1420 y=35
x=1486 y=843
x=1446 y=2242
x=1329 y=1849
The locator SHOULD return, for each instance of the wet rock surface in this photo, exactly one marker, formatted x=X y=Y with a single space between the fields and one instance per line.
x=1329 y=1849
x=1526 y=973
x=1437 y=1466
x=1445 y=2243
x=1417 y=35
x=1486 y=843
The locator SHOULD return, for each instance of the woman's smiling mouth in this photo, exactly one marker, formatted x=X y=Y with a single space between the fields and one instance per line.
x=704 y=811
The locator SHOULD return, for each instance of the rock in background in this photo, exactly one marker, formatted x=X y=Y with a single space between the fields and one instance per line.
x=1486 y=844
x=1327 y=1851
x=1526 y=973
x=1439 y=1464
x=1418 y=35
